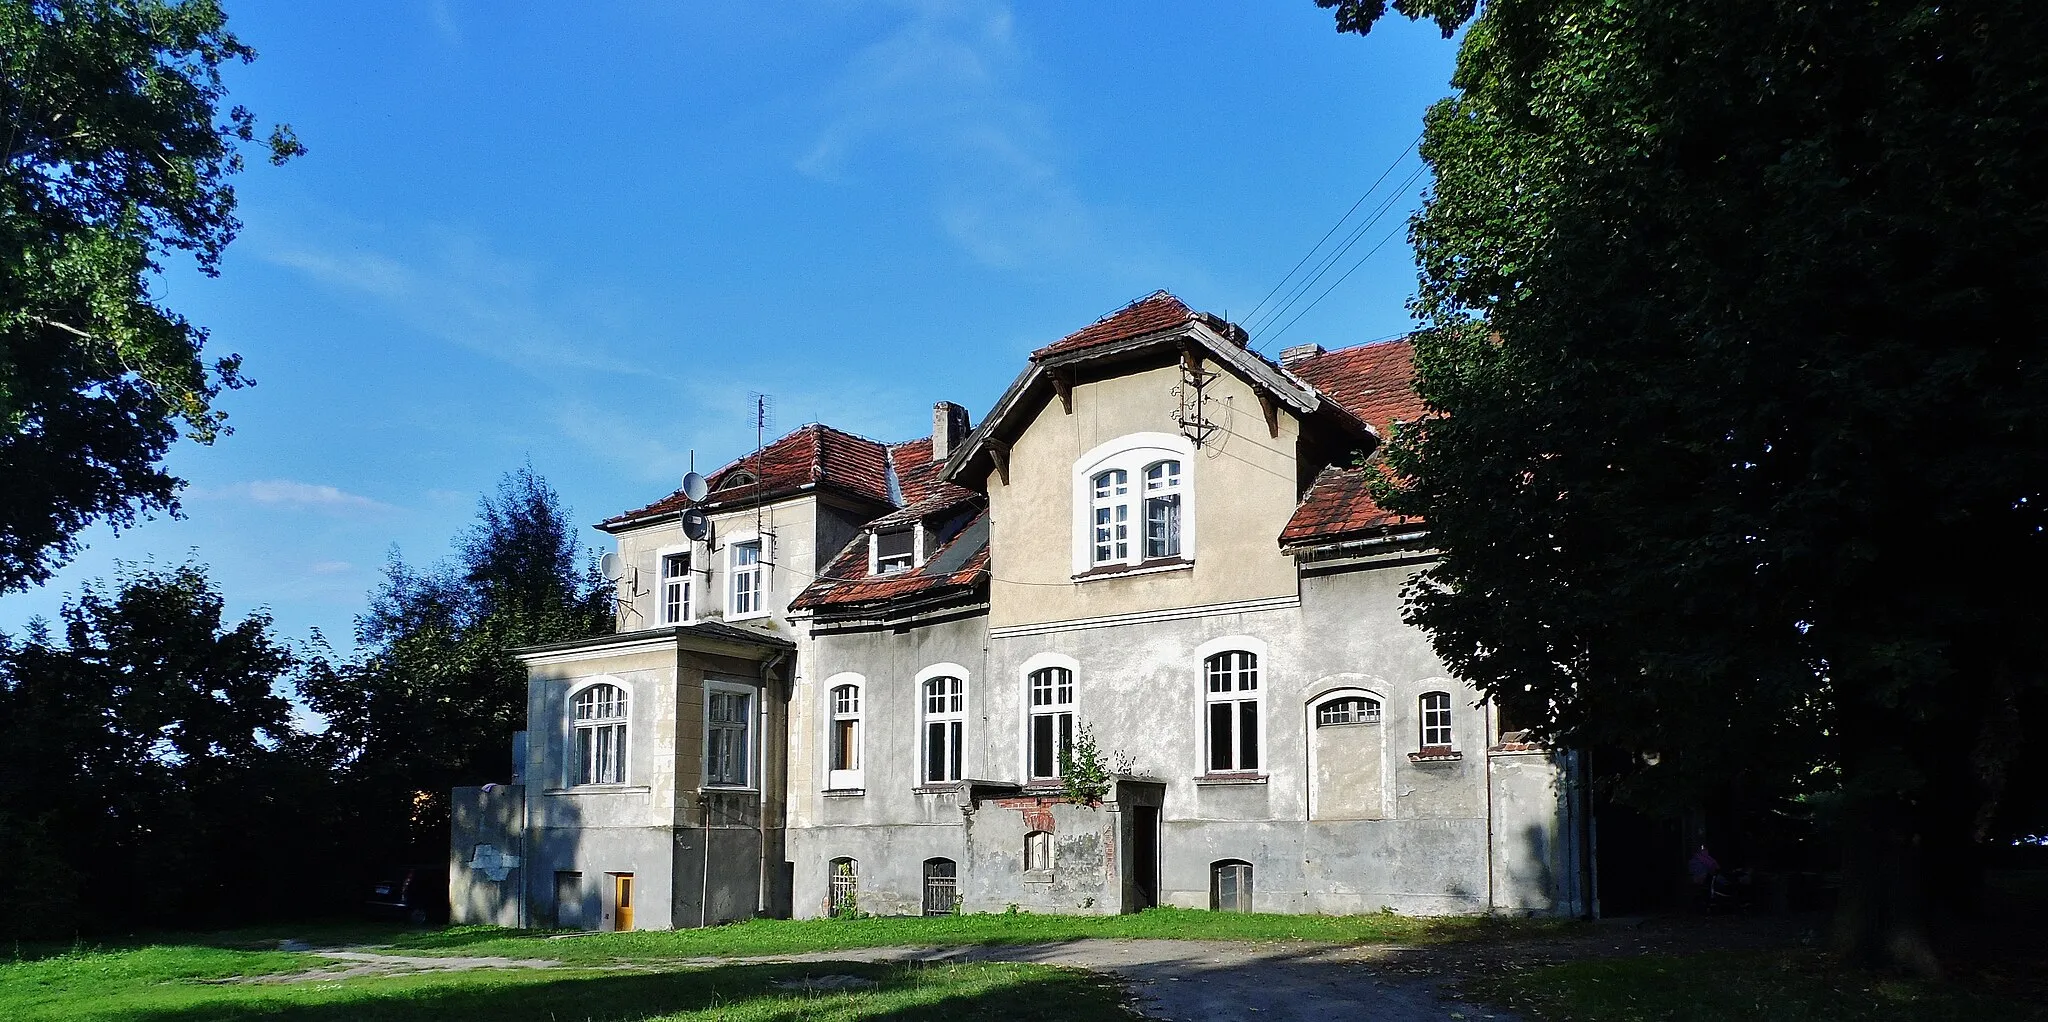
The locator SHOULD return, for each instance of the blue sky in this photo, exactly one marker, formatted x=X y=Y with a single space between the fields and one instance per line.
x=579 y=235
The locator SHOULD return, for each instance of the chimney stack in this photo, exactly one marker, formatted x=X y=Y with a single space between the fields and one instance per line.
x=1290 y=356
x=949 y=427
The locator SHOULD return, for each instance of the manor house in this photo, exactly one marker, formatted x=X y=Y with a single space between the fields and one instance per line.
x=1133 y=639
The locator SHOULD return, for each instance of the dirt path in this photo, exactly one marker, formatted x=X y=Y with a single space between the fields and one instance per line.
x=1182 y=980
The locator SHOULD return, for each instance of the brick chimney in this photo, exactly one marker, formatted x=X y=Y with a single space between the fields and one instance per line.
x=949 y=427
x=1291 y=356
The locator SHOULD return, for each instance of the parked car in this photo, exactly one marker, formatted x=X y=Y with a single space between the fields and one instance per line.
x=415 y=894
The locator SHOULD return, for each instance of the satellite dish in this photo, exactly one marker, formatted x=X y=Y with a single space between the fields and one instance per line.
x=696 y=524
x=609 y=565
x=694 y=487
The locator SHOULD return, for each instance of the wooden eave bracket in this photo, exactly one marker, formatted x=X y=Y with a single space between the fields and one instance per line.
x=1063 y=385
x=999 y=452
x=1272 y=410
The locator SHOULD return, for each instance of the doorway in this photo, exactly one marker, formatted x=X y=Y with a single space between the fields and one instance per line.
x=568 y=899
x=1145 y=855
x=622 y=901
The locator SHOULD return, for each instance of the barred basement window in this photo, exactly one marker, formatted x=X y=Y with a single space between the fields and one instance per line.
x=941 y=887
x=843 y=888
x=1348 y=710
x=1230 y=886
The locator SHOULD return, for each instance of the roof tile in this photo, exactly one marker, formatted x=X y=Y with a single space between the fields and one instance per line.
x=815 y=453
x=846 y=583
x=1150 y=314
x=1375 y=382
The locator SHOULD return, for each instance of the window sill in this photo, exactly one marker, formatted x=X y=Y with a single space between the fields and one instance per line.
x=944 y=788
x=843 y=792
x=753 y=616
x=1225 y=779
x=1517 y=749
x=1038 y=876
x=600 y=789
x=1151 y=567
x=727 y=789
x=1434 y=755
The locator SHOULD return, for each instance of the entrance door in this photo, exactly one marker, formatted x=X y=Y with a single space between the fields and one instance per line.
x=622 y=892
x=568 y=899
x=1145 y=854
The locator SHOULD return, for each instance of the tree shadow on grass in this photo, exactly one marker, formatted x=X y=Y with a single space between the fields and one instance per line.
x=744 y=993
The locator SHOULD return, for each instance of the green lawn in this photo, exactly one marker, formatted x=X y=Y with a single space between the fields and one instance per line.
x=189 y=984
x=1762 y=986
x=781 y=936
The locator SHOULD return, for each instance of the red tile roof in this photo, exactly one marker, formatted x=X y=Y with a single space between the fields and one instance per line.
x=846 y=584
x=1339 y=504
x=815 y=453
x=917 y=475
x=1150 y=314
x=1376 y=383
x=1372 y=381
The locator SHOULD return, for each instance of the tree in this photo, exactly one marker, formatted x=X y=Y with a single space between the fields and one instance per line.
x=116 y=153
x=137 y=755
x=434 y=698
x=1735 y=348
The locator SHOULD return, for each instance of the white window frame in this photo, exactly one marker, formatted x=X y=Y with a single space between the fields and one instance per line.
x=662 y=581
x=733 y=574
x=1428 y=727
x=572 y=756
x=956 y=715
x=1235 y=669
x=1263 y=664
x=1168 y=492
x=916 y=531
x=1132 y=454
x=1070 y=708
x=1349 y=686
x=750 y=759
x=1375 y=709
x=836 y=713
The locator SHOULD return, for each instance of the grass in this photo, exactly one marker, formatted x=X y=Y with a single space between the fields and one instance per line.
x=189 y=984
x=782 y=936
x=1765 y=986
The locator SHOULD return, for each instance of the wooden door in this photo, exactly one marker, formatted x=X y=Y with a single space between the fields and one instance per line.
x=622 y=901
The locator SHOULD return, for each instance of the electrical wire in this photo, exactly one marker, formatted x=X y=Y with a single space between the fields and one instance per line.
x=1389 y=236
x=1333 y=227
x=1322 y=269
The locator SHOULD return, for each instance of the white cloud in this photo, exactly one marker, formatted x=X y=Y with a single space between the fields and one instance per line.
x=460 y=291
x=293 y=495
x=946 y=86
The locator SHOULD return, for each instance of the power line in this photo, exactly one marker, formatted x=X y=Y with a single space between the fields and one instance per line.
x=1333 y=227
x=1323 y=268
x=1389 y=236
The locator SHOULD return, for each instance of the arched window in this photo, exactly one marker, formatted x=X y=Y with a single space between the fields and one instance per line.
x=1051 y=735
x=1134 y=503
x=941 y=887
x=846 y=737
x=599 y=718
x=1162 y=509
x=1234 y=711
x=945 y=726
x=1230 y=885
x=1111 y=514
x=1348 y=710
x=1037 y=851
x=842 y=899
x=1436 y=720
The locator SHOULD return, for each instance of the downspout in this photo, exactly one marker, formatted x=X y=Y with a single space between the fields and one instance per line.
x=1489 y=727
x=768 y=667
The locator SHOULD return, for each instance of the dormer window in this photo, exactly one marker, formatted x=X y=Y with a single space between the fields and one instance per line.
x=895 y=550
x=739 y=478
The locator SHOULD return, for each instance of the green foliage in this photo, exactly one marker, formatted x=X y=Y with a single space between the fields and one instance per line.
x=1084 y=775
x=137 y=754
x=115 y=153
x=432 y=700
x=1734 y=329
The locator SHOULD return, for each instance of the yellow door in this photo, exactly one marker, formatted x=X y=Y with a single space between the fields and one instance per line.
x=623 y=895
